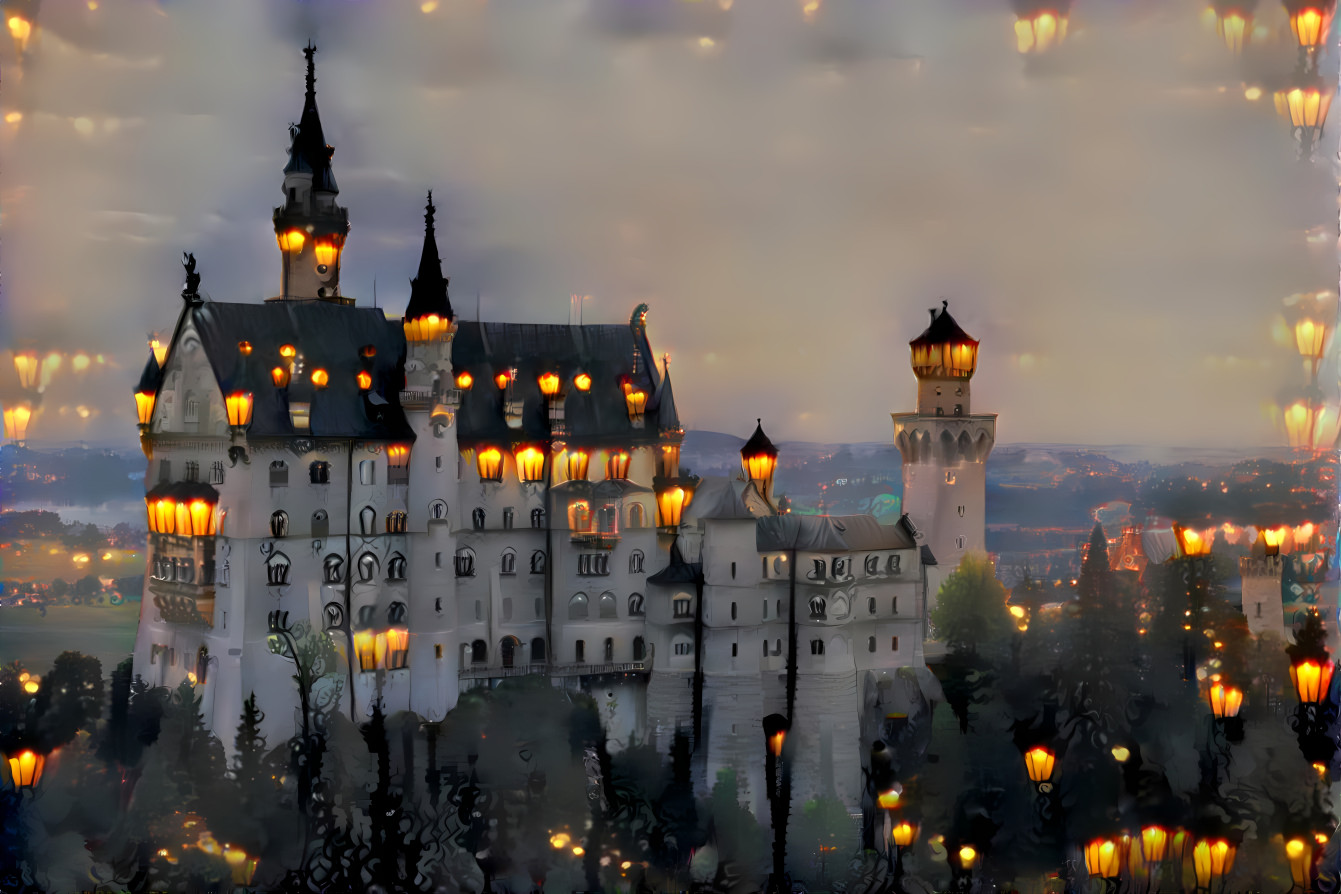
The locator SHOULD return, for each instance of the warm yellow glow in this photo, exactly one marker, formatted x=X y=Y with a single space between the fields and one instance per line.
x=1193 y=543
x=1225 y=701
x=578 y=850
x=501 y=380
x=668 y=461
x=31 y=687
x=1310 y=25
x=238 y=406
x=1103 y=858
x=1017 y=611
x=1121 y=753
x=1273 y=536
x=27 y=365
x=904 y=834
x=966 y=856
x=292 y=241
x=16 y=420
x=1252 y=94
x=578 y=461
x=464 y=381
x=327 y=251
x=637 y=403
x=489 y=461
x=1312 y=680
x=582 y=382
x=1305 y=106
x=200 y=518
x=1154 y=843
x=1300 y=856
x=320 y=378
x=397 y=648
x=617 y=465
x=1311 y=338
x=144 y=406
x=428 y=6
x=241 y=865
x=559 y=840
x=364 y=380
x=280 y=376
x=79 y=362
x=1039 y=762
x=670 y=506
x=20 y=29
x=365 y=647
x=579 y=516
x=1235 y=28
x=160 y=350
x=1302 y=535
x=775 y=743
x=427 y=328
x=1211 y=860
x=244 y=348
x=888 y=800
x=191 y=677
x=1040 y=32
x=549 y=384
x=397 y=455
x=25 y=768
x=759 y=469
x=530 y=463
x=13 y=117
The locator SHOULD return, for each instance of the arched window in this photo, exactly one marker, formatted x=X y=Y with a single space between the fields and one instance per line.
x=509 y=514
x=537 y=518
x=639 y=648
x=817 y=573
x=537 y=649
x=892 y=566
x=682 y=607
x=839 y=568
x=636 y=605
x=437 y=510
x=538 y=562
x=321 y=524
x=279 y=523
x=840 y=606
x=508 y=562
x=507 y=650
x=202 y=665
x=319 y=472
x=479 y=652
x=636 y=562
x=367 y=567
x=367 y=521
x=817 y=647
x=279 y=473
x=579 y=516
x=609 y=649
x=577 y=607
x=477 y=518
x=277 y=569
x=465 y=562
x=607 y=607
x=395 y=567
x=395 y=614
x=637 y=516
x=607 y=520
x=872 y=566
x=818 y=608
x=396 y=521
x=870 y=644
x=332 y=569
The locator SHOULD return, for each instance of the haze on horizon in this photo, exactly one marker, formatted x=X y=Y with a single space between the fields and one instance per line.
x=789 y=196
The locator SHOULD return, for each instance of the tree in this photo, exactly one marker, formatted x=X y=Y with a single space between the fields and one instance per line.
x=971 y=608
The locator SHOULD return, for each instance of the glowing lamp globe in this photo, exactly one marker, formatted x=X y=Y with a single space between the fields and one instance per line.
x=967 y=856
x=1154 y=843
x=16 y=418
x=364 y=380
x=582 y=382
x=144 y=407
x=1310 y=20
x=670 y=506
x=27 y=365
x=530 y=463
x=578 y=461
x=1225 y=701
x=1312 y=679
x=1305 y=105
x=238 y=406
x=464 y=380
x=1212 y=859
x=365 y=647
x=1040 y=30
x=549 y=384
x=944 y=350
x=888 y=800
x=1311 y=337
x=291 y=241
x=1233 y=22
x=1299 y=853
x=327 y=250
x=759 y=458
x=25 y=768
x=904 y=834
x=1103 y=858
x=489 y=462
x=1039 y=761
x=617 y=465
x=668 y=461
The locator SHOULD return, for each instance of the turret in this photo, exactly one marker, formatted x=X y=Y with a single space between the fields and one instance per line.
x=944 y=358
x=309 y=226
x=758 y=458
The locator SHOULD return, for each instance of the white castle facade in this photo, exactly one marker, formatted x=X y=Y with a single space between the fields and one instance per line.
x=456 y=503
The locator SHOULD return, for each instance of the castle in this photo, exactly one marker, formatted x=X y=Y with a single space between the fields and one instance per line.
x=459 y=502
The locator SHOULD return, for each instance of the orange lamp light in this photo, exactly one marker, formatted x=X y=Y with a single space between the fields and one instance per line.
x=888 y=800
x=280 y=376
x=1225 y=701
x=1212 y=859
x=25 y=768
x=365 y=380
x=530 y=463
x=464 y=380
x=582 y=382
x=1312 y=679
x=1310 y=22
x=1154 y=843
x=670 y=506
x=365 y=646
x=27 y=365
x=578 y=461
x=327 y=251
x=320 y=378
x=292 y=241
x=501 y=380
x=904 y=834
x=617 y=465
x=144 y=406
x=1039 y=761
x=489 y=461
x=1103 y=858
x=238 y=406
x=549 y=384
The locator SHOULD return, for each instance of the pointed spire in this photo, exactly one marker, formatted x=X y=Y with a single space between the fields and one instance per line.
x=759 y=444
x=428 y=290
x=667 y=416
x=308 y=152
x=151 y=377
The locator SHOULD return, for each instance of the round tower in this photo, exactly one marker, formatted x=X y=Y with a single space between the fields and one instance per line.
x=945 y=448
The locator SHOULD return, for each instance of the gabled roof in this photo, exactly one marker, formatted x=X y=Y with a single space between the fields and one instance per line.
x=678 y=571
x=428 y=290
x=943 y=329
x=308 y=152
x=716 y=497
x=326 y=336
x=829 y=533
x=607 y=353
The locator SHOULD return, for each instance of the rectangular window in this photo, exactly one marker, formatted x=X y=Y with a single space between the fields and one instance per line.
x=192 y=470
x=763 y=566
x=735 y=648
x=733 y=570
x=894 y=605
x=437 y=651
x=765 y=609
x=507 y=608
x=437 y=560
x=217 y=472
x=508 y=516
x=894 y=644
x=1259 y=609
x=870 y=606
x=733 y=611
x=437 y=463
x=479 y=611
x=366 y=475
x=539 y=607
x=580 y=651
x=164 y=470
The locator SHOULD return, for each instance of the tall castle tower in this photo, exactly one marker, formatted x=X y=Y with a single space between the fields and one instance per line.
x=945 y=448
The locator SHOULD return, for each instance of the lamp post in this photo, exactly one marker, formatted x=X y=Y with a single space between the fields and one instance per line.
x=1310 y=20
x=283 y=643
x=1304 y=103
x=1311 y=670
x=1233 y=22
x=901 y=838
x=776 y=727
x=1040 y=25
x=1103 y=859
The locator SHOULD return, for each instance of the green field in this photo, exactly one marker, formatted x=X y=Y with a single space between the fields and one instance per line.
x=104 y=631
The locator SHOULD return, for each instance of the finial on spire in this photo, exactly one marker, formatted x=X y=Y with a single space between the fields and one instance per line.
x=428 y=211
x=191 y=292
x=945 y=304
x=665 y=361
x=310 y=52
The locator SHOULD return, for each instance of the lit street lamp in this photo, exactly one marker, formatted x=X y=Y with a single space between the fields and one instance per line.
x=1233 y=22
x=1310 y=20
x=776 y=727
x=1040 y=25
x=1304 y=104
x=1311 y=671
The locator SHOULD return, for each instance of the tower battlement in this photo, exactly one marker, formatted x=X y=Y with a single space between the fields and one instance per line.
x=1261 y=566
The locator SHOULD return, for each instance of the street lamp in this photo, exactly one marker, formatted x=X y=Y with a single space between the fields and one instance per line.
x=1040 y=25
x=1233 y=22
x=1311 y=671
x=1304 y=104
x=1039 y=762
x=1299 y=853
x=1310 y=20
x=16 y=418
x=1212 y=859
x=25 y=768
x=1103 y=858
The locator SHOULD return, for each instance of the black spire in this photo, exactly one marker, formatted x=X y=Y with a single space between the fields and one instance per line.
x=428 y=290
x=667 y=416
x=759 y=444
x=308 y=153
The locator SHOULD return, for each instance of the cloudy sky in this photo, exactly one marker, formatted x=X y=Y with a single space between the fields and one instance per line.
x=789 y=191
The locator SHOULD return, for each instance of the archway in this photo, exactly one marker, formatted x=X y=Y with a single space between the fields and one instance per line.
x=508 y=650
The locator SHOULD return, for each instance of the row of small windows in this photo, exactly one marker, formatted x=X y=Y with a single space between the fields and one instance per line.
x=606 y=606
x=181 y=570
x=319 y=472
x=191 y=471
x=838 y=568
x=508 y=651
x=277 y=568
x=396 y=522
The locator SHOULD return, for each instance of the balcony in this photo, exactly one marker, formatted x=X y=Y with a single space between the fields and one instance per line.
x=573 y=669
x=184 y=604
x=597 y=539
x=415 y=398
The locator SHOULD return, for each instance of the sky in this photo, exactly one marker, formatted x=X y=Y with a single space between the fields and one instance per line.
x=789 y=191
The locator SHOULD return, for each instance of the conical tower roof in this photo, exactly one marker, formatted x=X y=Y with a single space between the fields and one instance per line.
x=943 y=329
x=759 y=444
x=428 y=290
x=309 y=153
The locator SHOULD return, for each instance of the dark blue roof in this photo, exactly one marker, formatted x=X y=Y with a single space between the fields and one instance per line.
x=326 y=336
